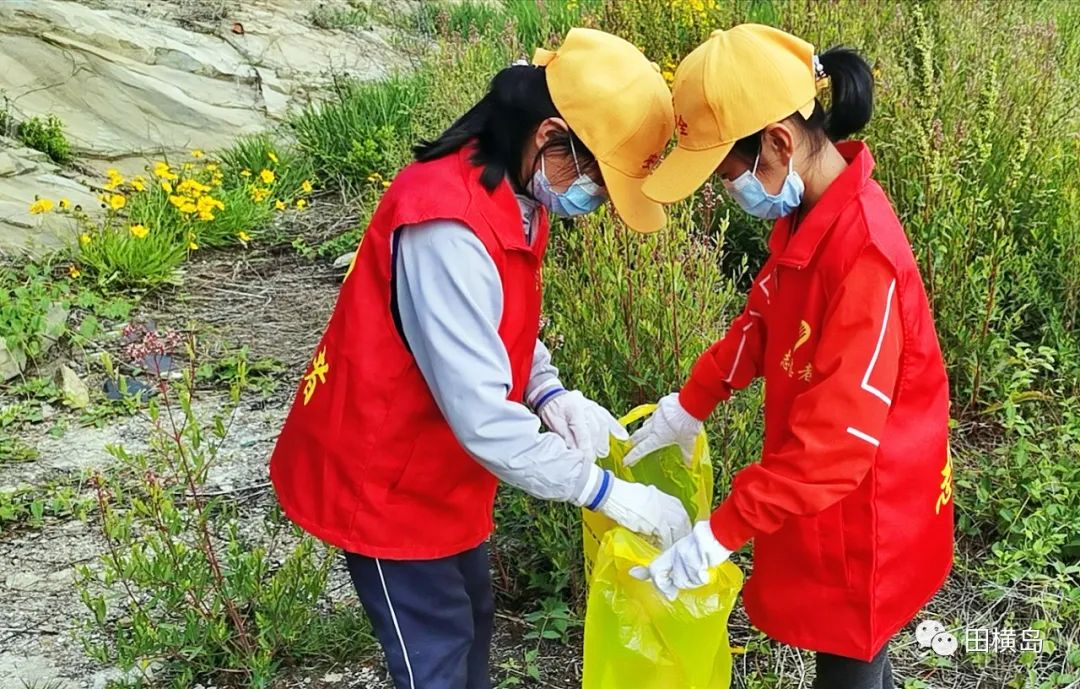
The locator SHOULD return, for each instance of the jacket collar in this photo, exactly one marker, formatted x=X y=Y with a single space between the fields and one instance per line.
x=502 y=210
x=796 y=251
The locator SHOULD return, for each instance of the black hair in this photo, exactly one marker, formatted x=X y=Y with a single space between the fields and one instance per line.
x=500 y=124
x=851 y=103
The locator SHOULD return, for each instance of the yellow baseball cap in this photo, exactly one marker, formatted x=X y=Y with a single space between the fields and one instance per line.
x=730 y=86
x=617 y=102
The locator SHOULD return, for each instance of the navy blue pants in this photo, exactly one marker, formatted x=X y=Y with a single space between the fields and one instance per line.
x=432 y=617
x=838 y=672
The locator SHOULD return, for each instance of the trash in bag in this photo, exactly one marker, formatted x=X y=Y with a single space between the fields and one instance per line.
x=634 y=636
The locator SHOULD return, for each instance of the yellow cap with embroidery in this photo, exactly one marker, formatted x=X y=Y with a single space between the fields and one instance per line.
x=618 y=104
x=729 y=87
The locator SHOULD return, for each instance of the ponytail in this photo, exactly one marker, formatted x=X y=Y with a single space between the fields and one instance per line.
x=851 y=104
x=852 y=86
x=516 y=102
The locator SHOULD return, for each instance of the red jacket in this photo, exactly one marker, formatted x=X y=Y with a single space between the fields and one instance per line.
x=365 y=460
x=850 y=507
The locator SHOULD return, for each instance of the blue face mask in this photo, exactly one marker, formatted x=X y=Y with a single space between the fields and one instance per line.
x=750 y=194
x=583 y=196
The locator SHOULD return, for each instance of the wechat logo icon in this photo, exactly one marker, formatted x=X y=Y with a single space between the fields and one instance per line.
x=933 y=635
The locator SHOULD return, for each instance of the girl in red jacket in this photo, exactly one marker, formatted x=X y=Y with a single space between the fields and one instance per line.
x=850 y=505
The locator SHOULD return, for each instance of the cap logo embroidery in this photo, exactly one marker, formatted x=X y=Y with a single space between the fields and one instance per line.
x=651 y=162
x=682 y=126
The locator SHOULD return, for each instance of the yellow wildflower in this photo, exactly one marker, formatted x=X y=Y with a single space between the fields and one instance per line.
x=244 y=237
x=374 y=177
x=273 y=157
x=301 y=204
x=74 y=272
x=258 y=195
x=139 y=231
x=117 y=201
x=245 y=174
x=306 y=187
x=192 y=188
x=138 y=184
x=192 y=245
x=206 y=207
x=197 y=153
x=167 y=187
x=65 y=204
x=115 y=179
x=163 y=171
x=267 y=176
x=217 y=180
x=187 y=167
x=385 y=184
x=668 y=75
x=211 y=167
x=183 y=204
x=279 y=204
x=85 y=239
x=41 y=206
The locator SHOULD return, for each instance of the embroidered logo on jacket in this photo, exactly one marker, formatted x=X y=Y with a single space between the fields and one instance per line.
x=788 y=361
x=946 y=481
x=319 y=369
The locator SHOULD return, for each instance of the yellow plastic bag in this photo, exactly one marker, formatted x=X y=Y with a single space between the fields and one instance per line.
x=635 y=637
x=664 y=469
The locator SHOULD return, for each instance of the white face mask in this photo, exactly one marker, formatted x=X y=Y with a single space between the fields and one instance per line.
x=750 y=194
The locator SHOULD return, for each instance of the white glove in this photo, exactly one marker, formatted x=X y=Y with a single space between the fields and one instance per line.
x=583 y=424
x=646 y=510
x=670 y=424
x=687 y=564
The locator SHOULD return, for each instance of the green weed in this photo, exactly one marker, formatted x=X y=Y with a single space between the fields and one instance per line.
x=46 y=135
x=352 y=15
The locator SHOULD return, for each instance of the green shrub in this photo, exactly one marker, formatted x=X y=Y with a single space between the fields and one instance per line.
x=184 y=586
x=46 y=135
x=327 y=15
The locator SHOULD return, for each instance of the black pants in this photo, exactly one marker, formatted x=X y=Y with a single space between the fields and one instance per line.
x=838 y=672
x=433 y=618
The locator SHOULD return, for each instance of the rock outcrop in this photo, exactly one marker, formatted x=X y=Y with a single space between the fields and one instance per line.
x=135 y=79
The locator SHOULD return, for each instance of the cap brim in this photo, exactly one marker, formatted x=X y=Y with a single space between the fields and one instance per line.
x=639 y=212
x=682 y=172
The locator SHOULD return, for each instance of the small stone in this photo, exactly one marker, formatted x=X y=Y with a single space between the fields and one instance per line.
x=12 y=361
x=47 y=411
x=342 y=262
x=55 y=325
x=76 y=395
x=23 y=581
x=7 y=164
x=333 y=677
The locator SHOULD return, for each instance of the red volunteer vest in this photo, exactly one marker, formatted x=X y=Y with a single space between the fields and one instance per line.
x=366 y=461
x=847 y=579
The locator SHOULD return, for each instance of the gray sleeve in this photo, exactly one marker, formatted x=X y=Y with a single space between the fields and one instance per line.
x=450 y=304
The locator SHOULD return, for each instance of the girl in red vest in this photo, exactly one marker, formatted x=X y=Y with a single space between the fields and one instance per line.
x=850 y=506
x=429 y=384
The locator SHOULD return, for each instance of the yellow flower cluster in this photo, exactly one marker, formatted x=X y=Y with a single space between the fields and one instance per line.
x=115 y=179
x=41 y=206
x=668 y=71
x=259 y=194
x=163 y=171
x=139 y=231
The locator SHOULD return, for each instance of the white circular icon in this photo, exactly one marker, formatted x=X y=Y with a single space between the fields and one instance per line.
x=926 y=631
x=944 y=644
